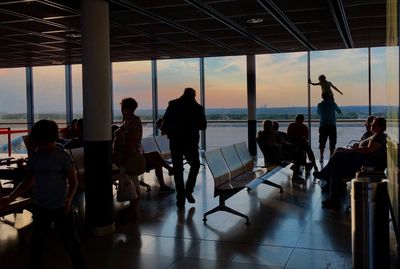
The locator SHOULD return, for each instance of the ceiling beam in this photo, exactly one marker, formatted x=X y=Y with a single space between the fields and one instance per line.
x=275 y=12
x=340 y=18
x=228 y=22
x=128 y=4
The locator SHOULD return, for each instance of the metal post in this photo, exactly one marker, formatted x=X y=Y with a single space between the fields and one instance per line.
x=251 y=103
x=30 y=116
x=369 y=82
x=309 y=96
x=68 y=94
x=154 y=87
x=9 y=141
x=202 y=100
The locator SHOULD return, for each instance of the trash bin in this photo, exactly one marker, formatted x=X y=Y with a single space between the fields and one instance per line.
x=370 y=221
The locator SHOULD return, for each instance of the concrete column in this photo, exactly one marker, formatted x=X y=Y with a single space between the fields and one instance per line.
x=97 y=115
x=251 y=103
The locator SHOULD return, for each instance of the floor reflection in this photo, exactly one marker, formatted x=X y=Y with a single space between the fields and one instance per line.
x=288 y=230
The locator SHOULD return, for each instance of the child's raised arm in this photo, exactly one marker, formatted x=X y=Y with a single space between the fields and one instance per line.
x=336 y=89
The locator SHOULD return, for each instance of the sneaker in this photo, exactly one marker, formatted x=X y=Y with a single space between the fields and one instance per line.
x=165 y=189
x=190 y=198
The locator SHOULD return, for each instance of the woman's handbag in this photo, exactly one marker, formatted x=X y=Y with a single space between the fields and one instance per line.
x=126 y=187
x=135 y=164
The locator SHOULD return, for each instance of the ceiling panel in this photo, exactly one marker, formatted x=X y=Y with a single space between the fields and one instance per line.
x=48 y=31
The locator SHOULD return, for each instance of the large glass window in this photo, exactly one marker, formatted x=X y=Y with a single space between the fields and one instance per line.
x=133 y=79
x=281 y=88
x=392 y=91
x=12 y=107
x=77 y=104
x=348 y=71
x=49 y=93
x=225 y=100
x=173 y=77
x=384 y=93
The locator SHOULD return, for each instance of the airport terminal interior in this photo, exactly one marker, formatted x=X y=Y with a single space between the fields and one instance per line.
x=105 y=44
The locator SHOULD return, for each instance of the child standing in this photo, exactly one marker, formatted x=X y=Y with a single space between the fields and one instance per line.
x=325 y=86
x=51 y=174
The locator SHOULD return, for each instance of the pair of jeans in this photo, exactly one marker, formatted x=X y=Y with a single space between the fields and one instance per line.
x=189 y=151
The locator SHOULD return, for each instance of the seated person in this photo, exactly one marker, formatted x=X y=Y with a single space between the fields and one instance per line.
x=268 y=142
x=272 y=148
x=77 y=141
x=68 y=132
x=155 y=161
x=344 y=163
x=368 y=131
x=298 y=132
x=288 y=144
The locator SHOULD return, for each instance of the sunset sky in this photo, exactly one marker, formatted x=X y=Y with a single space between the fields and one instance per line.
x=281 y=81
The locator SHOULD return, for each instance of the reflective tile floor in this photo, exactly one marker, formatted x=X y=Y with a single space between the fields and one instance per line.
x=288 y=230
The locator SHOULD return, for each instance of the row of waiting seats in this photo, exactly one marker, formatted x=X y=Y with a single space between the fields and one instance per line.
x=232 y=168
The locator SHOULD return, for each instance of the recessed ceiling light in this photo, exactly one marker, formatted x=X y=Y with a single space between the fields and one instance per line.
x=254 y=20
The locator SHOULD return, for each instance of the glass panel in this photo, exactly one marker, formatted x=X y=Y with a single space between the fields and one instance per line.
x=12 y=107
x=348 y=71
x=173 y=77
x=49 y=93
x=385 y=85
x=133 y=79
x=281 y=88
x=226 y=100
x=77 y=104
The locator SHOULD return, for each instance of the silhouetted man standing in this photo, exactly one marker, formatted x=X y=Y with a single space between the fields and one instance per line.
x=183 y=120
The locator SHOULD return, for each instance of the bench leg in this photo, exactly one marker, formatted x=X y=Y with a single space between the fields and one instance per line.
x=270 y=183
x=223 y=207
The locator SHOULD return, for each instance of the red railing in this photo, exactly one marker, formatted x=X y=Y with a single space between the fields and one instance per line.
x=8 y=132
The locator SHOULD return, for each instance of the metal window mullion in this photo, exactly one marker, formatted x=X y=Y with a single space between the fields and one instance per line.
x=29 y=97
x=309 y=95
x=202 y=99
x=369 y=83
x=68 y=94
x=154 y=87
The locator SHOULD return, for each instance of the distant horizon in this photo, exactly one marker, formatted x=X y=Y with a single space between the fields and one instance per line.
x=117 y=111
